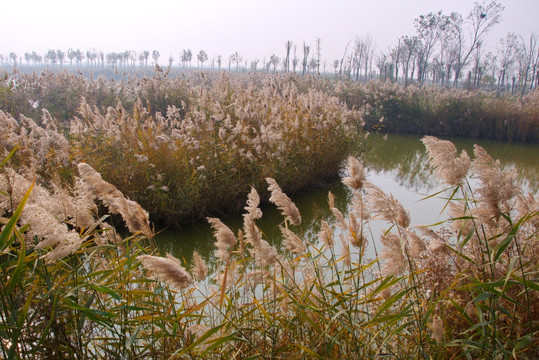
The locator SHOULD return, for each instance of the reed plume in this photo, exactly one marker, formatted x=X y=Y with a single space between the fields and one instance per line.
x=356 y=173
x=264 y=254
x=497 y=188
x=283 y=202
x=135 y=217
x=292 y=242
x=169 y=270
x=437 y=327
x=253 y=201
x=326 y=234
x=225 y=238
x=336 y=212
x=443 y=157
x=199 y=269
x=393 y=253
x=252 y=233
x=386 y=207
x=51 y=233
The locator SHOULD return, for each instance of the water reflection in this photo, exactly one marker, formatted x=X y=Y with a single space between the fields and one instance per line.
x=397 y=164
x=312 y=205
x=404 y=159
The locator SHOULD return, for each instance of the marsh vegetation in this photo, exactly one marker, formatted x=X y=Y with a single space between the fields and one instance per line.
x=85 y=188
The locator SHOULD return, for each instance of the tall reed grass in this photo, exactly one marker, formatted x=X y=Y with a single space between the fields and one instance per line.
x=444 y=112
x=201 y=159
x=463 y=288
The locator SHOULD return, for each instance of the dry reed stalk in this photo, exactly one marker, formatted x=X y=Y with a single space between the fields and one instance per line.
x=283 y=202
x=135 y=217
x=169 y=270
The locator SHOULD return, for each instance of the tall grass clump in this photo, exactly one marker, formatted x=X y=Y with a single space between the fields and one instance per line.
x=60 y=93
x=465 y=287
x=444 y=112
x=199 y=159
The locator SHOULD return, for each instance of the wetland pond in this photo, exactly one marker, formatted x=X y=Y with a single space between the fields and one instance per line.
x=398 y=164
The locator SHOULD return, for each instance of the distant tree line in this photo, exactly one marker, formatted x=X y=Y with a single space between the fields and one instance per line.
x=448 y=50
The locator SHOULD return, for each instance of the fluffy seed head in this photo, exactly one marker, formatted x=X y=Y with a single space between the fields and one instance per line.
x=443 y=157
x=292 y=242
x=169 y=270
x=133 y=214
x=356 y=172
x=283 y=202
x=199 y=269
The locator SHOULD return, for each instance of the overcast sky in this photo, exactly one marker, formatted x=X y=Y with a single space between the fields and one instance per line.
x=254 y=28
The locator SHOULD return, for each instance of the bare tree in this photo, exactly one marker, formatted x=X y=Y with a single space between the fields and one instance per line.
x=91 y=56
x=202 y=57
x=288 y=47
x=430 y=29
x=186 y=57
x=254 y=65
x=395 y=55
x=411 y=45
x=526 y=58
x=102 y=58
x=155 y=57
x=357 y=57
x=236 y=58
x=480 y=20
x=381 y=64
x=13 y=58
x=219 y=62
x=28 y=58
x=295 y=60
x=71 y=55
x=306 y=50
x=507 y=55
x=318 y=54
x=274 y=60
x=51 y=56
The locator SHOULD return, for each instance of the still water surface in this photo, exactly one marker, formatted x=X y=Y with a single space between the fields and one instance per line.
x=397 y=164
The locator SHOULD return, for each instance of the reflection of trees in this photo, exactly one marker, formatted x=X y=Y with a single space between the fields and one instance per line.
x=402 y=156
x=405 y=158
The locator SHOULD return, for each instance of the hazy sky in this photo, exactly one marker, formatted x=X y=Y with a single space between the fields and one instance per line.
x=255 y=28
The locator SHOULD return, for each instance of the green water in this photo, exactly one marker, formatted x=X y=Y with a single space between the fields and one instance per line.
x=397 y=164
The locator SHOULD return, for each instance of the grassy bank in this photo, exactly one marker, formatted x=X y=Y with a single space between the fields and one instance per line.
x=444 y=112
x=428 y=110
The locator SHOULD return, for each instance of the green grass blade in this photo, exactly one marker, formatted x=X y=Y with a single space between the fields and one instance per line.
x=8 y=229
